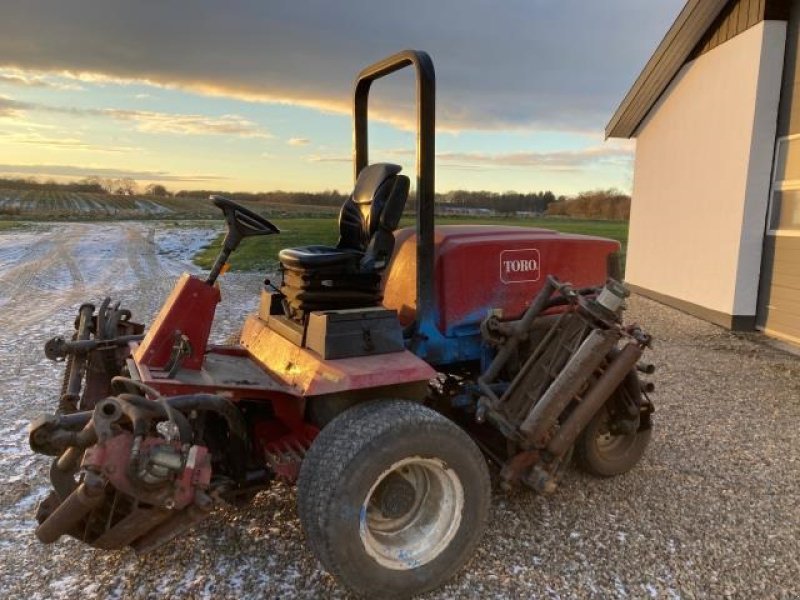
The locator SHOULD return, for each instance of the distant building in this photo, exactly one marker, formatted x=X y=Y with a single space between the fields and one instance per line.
x=715 y=220
x=444 y=209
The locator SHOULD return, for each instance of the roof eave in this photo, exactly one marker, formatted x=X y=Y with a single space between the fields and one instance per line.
x=670 y=55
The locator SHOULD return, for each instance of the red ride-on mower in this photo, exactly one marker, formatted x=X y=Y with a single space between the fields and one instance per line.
x=380 y=376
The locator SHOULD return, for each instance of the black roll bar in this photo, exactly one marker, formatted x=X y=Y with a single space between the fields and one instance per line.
x=426 y=131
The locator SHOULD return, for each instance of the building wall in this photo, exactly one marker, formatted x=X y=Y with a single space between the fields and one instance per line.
x=702 y=177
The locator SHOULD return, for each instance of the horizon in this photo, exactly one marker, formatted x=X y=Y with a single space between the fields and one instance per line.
x=184 y=99
x=175 y=192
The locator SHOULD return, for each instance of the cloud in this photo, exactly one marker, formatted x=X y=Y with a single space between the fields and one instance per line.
x=22 y=78
x=12 y=108
x=556 y=160
x=559 y=160
x=298 y=141
x=69 y=143
x=159 y=122
x=523 y=64
x=86 y=171
x=329 y=158
x=27 y=81
x=150 y=121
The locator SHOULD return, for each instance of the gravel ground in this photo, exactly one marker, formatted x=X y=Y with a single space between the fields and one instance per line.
x=712 y=511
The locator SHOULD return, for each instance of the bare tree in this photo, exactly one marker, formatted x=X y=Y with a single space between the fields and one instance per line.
x=156 y=189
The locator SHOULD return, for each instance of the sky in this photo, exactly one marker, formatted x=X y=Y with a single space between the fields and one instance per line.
x=256 y=95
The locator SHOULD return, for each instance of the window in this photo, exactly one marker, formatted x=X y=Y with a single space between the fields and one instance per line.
x=784 y=210
x=785 y=214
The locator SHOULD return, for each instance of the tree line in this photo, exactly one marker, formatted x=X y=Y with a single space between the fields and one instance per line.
x=597 y=204
x=123 y=186
x=610 y=205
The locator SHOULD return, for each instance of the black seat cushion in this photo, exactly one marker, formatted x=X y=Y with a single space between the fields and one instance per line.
x=328 y=279
x=349 y=274
x=315 y=257
x=361 y=212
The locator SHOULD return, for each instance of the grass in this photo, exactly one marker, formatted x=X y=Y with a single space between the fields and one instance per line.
x=55 y=205
x=8 y=225
x=261 y=253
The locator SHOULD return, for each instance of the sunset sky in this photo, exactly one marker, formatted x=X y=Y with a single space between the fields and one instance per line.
x=256 y=95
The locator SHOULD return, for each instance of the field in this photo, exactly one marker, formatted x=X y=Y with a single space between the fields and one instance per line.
x=261 y=253
x=56 y=205
x=299 y=224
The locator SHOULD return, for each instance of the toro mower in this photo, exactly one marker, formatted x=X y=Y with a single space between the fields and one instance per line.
x=381 y=375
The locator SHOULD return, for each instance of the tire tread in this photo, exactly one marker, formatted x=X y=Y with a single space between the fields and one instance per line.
x=340 y=443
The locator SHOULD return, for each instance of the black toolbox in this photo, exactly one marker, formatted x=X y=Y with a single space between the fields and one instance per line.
x=354 y=332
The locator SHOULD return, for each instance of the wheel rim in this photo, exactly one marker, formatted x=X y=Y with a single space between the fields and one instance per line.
x=611 y=446
x=411 y=513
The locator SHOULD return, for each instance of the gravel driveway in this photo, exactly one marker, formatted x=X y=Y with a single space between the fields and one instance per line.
x=713 y=510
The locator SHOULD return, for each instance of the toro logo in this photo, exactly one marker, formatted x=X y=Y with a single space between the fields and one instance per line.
x=518 y=266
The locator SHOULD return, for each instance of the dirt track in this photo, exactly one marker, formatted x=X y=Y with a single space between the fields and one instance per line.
x=711 y=511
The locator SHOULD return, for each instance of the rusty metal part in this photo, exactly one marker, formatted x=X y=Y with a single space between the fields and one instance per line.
x=68 y=461
x=595 y=398
x=535 y=469
x=518 y=465
x=177 y=525
x=130 y=527
x=88 y=496
x=181 y=350
x=177 y=420
x=69 y=399
x=543 y=365
x=58 y=434
x=286 y=454
x=52 y=434
x=515 y=332
x=541 y=411
x=68 y=404
x=95 y=352
x=141 y=412
x=122 y=480
x=63 y=481
x=128 y=464
x=569 y=382
x=58 y=348
x=119 y=502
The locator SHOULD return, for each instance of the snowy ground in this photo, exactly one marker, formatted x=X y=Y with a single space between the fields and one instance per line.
x=712 y=511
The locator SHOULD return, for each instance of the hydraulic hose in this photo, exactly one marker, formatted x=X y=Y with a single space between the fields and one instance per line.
x=147 y=390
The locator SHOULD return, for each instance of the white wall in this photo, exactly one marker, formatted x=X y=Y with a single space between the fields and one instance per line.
x=702 y=175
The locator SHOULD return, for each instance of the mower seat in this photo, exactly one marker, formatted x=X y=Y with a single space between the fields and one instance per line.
x=314 y=257
x=348 y=275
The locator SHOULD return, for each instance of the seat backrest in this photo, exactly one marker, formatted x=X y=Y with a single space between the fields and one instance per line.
x=373 y=212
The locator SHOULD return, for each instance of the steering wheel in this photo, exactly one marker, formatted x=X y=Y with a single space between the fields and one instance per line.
x=243 y=221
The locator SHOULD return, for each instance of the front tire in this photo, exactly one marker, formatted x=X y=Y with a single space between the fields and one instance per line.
x=393 y=498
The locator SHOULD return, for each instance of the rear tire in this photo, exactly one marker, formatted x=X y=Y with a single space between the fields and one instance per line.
x=393 y=498
x=603 y=454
